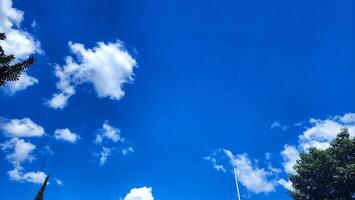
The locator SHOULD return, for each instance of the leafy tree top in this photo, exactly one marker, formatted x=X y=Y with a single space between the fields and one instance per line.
x=326 y=174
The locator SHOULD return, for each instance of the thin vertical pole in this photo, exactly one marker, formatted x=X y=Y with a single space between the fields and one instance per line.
x=236 y=182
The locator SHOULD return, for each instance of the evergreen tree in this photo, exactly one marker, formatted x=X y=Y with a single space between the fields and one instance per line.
x=326 y=174
x=8 y=70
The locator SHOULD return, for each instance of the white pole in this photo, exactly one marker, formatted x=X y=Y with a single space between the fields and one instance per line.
x=236 y=182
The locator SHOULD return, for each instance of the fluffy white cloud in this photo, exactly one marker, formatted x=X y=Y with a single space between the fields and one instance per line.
x=290 y=155
x=253 y=178
x=24 y=82
x=143 y=193
x=33 y=177
x=19 y=42
x=323 y=132
x=104 y=155
x=21 y=151
x=22 y=128
x=108 y=66
x=66 y=135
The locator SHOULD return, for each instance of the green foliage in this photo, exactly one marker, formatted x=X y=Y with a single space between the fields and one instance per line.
x=9 y=71
x=326 y=174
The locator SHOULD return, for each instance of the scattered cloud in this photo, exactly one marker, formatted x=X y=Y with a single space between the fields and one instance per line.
x=32 y=177
x=18 y=151
x=127 y=150
x=108 y=138
x=250 y=176
x=107 y=67
x=25 y=81
x=215 y=166
x=34 y=24
x=109 y=133
x=66 y=135
x=143 y=193
x=322 y=132
x=58 y=181
x=279 y=126
x=21 y=128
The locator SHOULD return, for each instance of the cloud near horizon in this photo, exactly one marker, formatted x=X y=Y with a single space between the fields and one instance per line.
x=143 y=193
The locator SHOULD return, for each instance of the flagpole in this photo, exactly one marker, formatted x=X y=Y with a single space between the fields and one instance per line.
x=236 y=182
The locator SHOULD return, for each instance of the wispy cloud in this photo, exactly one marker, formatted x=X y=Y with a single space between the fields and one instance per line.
x=278 y=125
x=109 y=139
x=252 y=177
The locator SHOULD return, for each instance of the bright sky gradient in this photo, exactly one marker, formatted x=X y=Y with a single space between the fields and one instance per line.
x=143 y=100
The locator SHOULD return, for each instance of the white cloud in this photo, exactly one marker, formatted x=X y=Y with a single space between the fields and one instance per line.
x=104 y=155
x=66 y=135
x=109 y=133
x=253 y=178
x=58 y=101
x=323 y=132
x=19 y=42
x=24 y=82
x=143 y=193
x=348 y=118
x=21 y=151
x=278 y=125
x=286 y=184
x=290 y=155
x=33 y=177
x=22 y=128
x=107 y=67
x=109 y=136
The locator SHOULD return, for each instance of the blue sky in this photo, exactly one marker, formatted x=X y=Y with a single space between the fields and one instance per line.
x=159 y=99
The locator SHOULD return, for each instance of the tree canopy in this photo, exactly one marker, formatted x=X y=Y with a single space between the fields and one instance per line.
x=10 y=71
x=326 y=174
